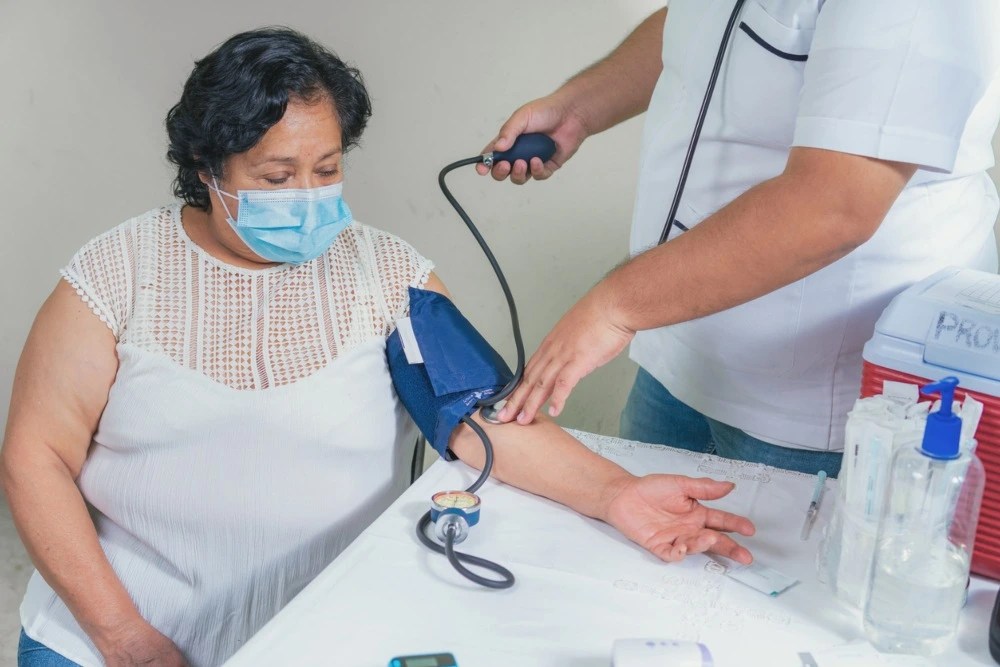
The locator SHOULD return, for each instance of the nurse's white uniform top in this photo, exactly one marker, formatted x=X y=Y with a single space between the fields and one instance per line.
x=251 y=433
x=904 y=80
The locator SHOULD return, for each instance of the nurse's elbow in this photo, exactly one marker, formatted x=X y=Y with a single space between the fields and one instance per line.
x=851 y=229
x=841 y=225
x=849 y=194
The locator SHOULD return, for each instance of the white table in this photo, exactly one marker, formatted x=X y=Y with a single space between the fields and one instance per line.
x=580 y=585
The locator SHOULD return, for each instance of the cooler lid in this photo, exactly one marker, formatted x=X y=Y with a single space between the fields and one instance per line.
x=955 y=315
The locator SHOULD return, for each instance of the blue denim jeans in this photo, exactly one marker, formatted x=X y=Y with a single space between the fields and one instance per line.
x=32 y=654
x=653 y=415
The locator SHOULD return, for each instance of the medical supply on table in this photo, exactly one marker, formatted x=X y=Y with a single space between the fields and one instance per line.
x=660 y=653
x=949 y=324
x=925 y=537
x=429 y=660
x=877 y=427
x=813 y=509
x=761 y=578
x=859 y=654
x=444 y=370
x=806 y=659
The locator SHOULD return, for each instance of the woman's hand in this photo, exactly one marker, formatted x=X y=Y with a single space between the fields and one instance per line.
x=550 y=115
x=661 y=513
x=141 y=644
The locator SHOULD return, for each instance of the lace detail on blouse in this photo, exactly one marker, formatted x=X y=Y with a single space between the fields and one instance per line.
x=244 y=328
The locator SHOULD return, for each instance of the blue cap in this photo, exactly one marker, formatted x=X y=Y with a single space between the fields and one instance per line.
x=944 y=428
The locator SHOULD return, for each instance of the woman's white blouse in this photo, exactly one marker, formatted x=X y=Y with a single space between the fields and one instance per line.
x=251 y=433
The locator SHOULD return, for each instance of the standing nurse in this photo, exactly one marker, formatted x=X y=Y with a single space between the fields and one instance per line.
x=843 y=158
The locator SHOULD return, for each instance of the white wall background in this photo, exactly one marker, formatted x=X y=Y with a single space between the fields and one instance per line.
x=85 y=85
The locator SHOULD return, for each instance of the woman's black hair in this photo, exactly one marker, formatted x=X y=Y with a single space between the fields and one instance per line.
x=240 y=90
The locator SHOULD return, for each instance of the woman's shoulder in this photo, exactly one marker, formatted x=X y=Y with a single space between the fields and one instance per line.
x=365 y=232
x=392 y=263
x=394 y=259
x=128 y=236
x=384 y=247
x=105 y=270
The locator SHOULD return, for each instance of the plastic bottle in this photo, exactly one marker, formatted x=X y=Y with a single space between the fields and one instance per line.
x=924 y=545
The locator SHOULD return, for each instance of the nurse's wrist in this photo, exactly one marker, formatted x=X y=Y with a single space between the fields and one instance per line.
x=569 y=103
x=607 y=298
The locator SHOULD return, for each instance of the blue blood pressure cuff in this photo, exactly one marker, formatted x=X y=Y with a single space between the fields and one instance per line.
x=441 y=366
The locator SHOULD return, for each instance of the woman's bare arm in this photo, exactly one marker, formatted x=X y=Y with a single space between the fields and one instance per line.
x=60 y=389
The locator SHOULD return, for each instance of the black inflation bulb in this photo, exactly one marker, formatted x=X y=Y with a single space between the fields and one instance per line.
x=526 y=146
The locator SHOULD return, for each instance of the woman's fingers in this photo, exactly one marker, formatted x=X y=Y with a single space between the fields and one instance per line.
x=730 y=548
x=728 y=522
x=714 y=542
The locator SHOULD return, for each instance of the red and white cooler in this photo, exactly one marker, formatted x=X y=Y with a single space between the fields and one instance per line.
x=949 y=324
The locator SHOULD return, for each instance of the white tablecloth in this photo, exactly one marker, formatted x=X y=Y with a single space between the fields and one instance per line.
x=580 y=585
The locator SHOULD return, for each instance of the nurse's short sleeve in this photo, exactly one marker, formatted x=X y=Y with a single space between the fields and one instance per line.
x=102 y=273
x=895 y=79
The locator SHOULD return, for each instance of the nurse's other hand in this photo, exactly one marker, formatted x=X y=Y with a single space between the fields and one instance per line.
x=587 y=337
x=550 y=115
x=662 y=513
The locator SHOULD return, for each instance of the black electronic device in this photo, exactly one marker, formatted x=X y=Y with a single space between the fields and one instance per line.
x=429 y=660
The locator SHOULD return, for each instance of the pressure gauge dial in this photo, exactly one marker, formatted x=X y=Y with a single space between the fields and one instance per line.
x=462 y=500
x=454 y=511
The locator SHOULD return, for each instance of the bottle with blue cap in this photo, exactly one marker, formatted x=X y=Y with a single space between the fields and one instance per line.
x=926 y=532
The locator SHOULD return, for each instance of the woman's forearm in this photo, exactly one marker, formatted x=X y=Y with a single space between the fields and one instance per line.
x=545 y=460
x=55 y=526
x=662 y=513
x=620 y=85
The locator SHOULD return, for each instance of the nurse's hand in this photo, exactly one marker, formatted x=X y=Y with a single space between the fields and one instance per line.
x=662 y=513
x=588 y=336
x=550 y=115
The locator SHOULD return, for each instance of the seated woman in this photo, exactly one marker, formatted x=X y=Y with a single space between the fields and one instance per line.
x=202 y=417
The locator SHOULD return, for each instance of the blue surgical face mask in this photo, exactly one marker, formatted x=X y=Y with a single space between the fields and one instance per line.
x=290 y=226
